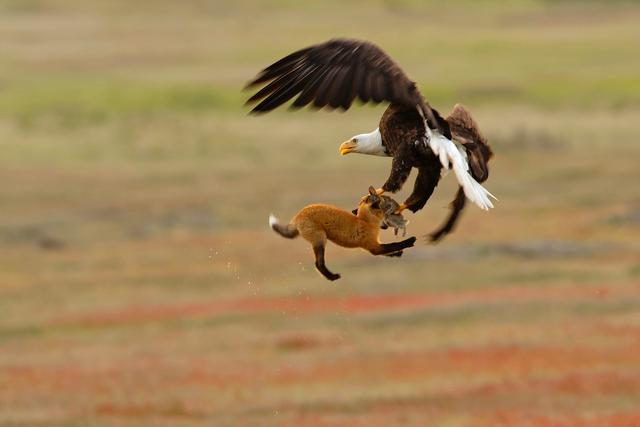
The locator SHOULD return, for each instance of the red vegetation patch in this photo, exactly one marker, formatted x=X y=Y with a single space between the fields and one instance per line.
x=610 y=383
x=352 y=304
x=504 y=362
x=574 y=384
x=523 y=418
x=145 y=410
x=65 y=378
x=302 y=342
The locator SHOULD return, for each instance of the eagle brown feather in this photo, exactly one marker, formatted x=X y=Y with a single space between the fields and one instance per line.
x=329 y=73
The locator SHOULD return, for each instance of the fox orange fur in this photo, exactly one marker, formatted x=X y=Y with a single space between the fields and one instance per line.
x=318 y=223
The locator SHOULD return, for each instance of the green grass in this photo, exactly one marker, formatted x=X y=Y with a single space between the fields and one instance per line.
x=544 y=55
x=74 y=104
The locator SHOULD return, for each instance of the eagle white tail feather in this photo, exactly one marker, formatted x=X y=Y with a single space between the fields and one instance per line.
x=450 y=155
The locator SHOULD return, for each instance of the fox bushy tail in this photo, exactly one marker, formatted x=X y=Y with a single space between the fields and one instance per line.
x=289 y=231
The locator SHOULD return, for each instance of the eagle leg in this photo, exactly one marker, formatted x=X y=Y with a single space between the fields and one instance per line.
x=400 y=170
x=456 y=209
x=425 y=183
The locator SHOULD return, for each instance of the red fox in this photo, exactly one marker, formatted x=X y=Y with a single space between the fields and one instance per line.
x=317 y=223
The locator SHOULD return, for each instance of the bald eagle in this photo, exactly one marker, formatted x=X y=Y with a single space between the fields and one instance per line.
x=333 y=74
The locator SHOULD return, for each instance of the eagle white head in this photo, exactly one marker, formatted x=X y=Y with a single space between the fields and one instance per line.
x=365 y=143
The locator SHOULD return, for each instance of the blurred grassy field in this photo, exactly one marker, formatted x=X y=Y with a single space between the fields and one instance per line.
x=140 y=285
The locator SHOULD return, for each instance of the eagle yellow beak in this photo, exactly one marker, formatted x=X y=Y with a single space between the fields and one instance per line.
x=347 y=147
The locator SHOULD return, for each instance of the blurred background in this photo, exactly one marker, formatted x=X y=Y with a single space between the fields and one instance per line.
x=140 y=284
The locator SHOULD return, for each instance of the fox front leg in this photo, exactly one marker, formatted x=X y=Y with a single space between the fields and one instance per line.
x=391 y=248
x=394 y=254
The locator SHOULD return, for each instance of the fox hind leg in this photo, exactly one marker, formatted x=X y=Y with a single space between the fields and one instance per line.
x=318 y=250
x=318 y=240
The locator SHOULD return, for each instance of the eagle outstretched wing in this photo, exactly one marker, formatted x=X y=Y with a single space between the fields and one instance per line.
x=333 y=74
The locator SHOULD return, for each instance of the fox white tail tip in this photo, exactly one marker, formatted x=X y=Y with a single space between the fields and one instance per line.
x=272 y=220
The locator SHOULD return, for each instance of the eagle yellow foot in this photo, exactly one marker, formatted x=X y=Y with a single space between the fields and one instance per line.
x=379 y=191
x=400 y=208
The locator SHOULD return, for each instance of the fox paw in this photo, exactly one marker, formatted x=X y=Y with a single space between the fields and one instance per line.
x=395 y=254
x=333 y=277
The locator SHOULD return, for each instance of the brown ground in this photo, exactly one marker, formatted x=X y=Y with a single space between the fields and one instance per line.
x=140 y=285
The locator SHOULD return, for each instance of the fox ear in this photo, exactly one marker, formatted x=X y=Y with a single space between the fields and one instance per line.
x=372 y=191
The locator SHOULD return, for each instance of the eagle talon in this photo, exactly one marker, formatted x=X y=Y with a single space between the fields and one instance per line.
x=400 y=208
x=380 y=191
